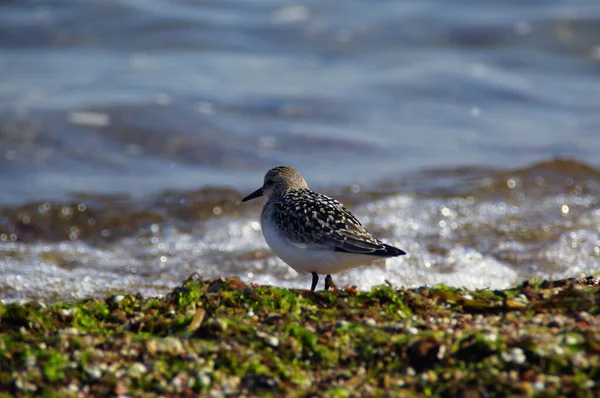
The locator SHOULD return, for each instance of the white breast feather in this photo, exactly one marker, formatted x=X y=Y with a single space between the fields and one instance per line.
x=305 y=258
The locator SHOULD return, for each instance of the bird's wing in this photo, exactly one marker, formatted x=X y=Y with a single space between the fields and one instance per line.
x=319 y=219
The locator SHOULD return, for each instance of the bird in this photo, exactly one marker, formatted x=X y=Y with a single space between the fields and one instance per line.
x=311 y=232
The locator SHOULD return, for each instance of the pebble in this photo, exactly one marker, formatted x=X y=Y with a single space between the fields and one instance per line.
x=94 y=372
x=203 y=378
x=514 y=355
x=490 y=337
x=137 y=369
x=72 y=331
x=580 y=361
x=68 y=312
x=272 y=341
x=539 y=386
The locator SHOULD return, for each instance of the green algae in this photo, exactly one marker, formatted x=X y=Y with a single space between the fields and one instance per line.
x=54 y=366
x=224 y=337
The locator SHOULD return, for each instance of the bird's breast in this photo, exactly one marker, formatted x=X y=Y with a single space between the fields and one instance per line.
x=306 y=258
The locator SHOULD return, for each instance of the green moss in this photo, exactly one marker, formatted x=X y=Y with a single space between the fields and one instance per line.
x=305 y=337
x=54 y=367
x=338 y=392
x=391 y=300
x=25 y=315
x=259 y=340
x=281 y=300
x=86 y=357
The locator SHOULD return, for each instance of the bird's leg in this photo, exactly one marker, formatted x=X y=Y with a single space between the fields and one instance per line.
x=314 y=281
x=328 y=282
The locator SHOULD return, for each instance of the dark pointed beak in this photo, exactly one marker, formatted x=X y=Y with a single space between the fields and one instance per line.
x=256 y=194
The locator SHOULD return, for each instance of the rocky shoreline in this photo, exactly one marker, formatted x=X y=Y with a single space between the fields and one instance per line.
x=224 y=337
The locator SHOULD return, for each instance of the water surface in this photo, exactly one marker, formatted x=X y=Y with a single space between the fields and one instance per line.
x=456 y=130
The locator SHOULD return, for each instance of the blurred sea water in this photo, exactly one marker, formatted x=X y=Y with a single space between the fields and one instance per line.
x=457 y=130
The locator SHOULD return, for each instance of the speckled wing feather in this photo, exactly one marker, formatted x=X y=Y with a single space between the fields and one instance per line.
x=308 y=218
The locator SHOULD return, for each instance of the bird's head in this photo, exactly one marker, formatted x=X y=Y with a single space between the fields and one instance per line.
x=277 y=181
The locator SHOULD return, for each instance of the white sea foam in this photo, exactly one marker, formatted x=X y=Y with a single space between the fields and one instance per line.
x=455 y=241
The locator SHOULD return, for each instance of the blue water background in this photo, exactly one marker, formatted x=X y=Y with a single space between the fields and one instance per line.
x=194 y=93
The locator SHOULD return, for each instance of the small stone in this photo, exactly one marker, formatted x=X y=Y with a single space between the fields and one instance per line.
x=69 y=331
x=203 y=379
x=442 y=352
x=580 y=361
x=553 y=379
x=514 y=355
x=137 y=369
x=170 y=345
x=398 y=327
x=25 y=385
x=490 y=337
x=120 y=388
x=197 y=319
x=192 y=357
x=94 y=372
x=272 y=341
x=432 y=376
x=177 y=381
x=584 y=316
x=523 y=298
x=221 y=324
x=67 y=312
x=571 y=340
x=151 y=347
x=539 y=386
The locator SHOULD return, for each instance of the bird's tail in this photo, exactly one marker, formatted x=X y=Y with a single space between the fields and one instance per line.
x=393 y=251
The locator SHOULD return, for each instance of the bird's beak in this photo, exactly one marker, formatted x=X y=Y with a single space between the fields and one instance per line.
x=256 y=194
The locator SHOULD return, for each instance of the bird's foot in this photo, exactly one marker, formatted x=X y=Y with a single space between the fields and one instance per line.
x=329 y=283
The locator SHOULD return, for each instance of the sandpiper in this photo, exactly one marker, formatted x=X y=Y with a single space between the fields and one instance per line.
x=311 y=232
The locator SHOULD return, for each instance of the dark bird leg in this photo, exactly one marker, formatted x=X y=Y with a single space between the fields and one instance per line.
x=314 y=281
x=328 y=282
